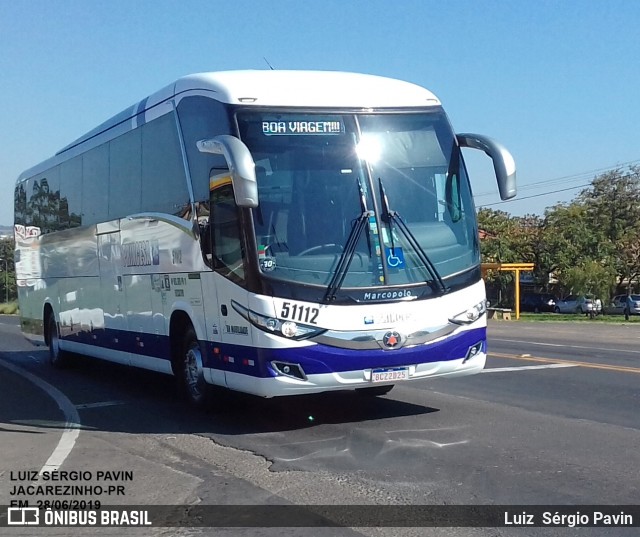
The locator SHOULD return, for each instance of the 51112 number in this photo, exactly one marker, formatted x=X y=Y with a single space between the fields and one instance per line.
x=296 y=312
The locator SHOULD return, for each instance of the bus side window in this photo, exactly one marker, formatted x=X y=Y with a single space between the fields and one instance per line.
x=224 y=230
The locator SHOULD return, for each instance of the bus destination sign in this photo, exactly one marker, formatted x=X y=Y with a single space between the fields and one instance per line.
x=302 y=126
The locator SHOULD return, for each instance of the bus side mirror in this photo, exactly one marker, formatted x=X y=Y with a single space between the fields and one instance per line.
x=241 y=166
x=503 y=163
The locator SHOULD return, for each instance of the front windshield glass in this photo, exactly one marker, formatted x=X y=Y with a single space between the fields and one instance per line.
x=318 y=173
x=416 y=165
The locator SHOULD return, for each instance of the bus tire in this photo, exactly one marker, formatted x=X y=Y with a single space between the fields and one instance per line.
x=191 y=374
x=57 y=357
x=375 y=391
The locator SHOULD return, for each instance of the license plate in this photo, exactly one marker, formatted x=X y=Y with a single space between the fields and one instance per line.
x=392 y=374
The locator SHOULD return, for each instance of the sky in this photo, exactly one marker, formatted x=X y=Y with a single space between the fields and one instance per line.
x=556 y=82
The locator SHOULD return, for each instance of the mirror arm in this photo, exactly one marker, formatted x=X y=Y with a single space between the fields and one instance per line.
x=241 y=166
x=503 y=163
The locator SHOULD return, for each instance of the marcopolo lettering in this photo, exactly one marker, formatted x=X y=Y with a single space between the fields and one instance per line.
x=388 y=295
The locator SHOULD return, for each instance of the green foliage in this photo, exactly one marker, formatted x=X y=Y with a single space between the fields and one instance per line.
x=590 y=278
x=509 y=240
x=10 y=308
x=501 y=230
x=8 y=278
x=568 y=238
x=589 y=245
x=613 y=207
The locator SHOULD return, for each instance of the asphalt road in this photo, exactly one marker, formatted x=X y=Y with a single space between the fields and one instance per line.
x=554 y=419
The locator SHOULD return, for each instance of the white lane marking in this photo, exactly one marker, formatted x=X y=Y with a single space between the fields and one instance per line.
x=72 y=419
x=99 y=404
x=524 y=367
x=561 y=345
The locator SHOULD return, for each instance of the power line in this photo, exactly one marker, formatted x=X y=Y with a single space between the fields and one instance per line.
x=575 y=177
x=535 y=195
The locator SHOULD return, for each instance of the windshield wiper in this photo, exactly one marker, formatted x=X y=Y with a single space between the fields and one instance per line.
x=342 y=268
x=392 y=217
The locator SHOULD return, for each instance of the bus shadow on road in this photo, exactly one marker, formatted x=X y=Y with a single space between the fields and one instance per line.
x=241 y=413
x=112 y=397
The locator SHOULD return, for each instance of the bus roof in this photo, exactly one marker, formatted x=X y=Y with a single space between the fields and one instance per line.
x=311 y=89
x=308 y=88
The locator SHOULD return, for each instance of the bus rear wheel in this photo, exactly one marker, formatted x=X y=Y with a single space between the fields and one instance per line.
x=57 y=357
x=191 y=379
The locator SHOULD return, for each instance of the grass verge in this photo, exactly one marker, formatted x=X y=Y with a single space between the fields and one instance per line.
x=9 y=308
x=576 y=318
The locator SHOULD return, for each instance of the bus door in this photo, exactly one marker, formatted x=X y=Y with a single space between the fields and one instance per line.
x=228 y=263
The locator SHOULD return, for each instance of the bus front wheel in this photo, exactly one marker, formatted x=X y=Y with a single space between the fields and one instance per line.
x=195 y=387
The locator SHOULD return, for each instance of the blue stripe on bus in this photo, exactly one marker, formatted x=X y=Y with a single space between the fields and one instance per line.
x=319 y=359
x=151 y=345
x=140 y=116
x=315 y=359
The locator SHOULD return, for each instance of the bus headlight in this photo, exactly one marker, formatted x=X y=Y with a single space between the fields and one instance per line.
x=471 y=315
x=287 y=329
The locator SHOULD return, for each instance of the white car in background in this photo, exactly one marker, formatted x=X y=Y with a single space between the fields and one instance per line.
x=625 y=305
x=576 y=304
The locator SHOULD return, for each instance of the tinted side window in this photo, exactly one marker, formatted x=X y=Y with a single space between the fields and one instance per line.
x=43 y=201
x=70 y=214
x=164 y=185
x=201 y=118
x=20 y=204
x=95 y=192
x=125 y=164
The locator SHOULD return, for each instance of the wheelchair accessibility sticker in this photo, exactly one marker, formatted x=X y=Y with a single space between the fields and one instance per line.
x=395 y=257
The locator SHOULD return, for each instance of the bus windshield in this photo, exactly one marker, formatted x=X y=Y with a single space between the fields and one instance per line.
x=320 y=175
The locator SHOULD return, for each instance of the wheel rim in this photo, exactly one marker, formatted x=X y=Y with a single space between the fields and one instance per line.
x=193 y=373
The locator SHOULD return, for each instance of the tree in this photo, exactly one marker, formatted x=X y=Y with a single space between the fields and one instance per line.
x=509 y=240
x=529 y=244
x=568 y=239
x=612 y=205
x=6 y=254
x=503 y=244
x=590 y=278
x=589 y=244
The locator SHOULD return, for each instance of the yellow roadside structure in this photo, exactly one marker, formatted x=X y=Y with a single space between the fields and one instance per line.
x=509 y=267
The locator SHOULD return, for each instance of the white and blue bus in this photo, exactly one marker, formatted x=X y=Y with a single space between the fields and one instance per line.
x=272 y=232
